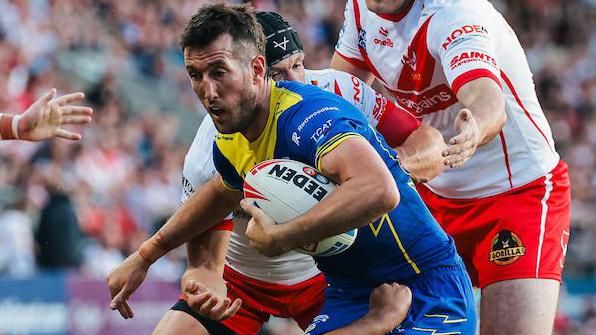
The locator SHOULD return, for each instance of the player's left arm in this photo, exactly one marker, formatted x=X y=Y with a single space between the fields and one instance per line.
x=466 y=44
x=478 y=123
x=366 y=191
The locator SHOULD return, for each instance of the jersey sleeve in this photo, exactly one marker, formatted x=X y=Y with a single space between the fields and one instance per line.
x=230 y=178
x=316 y=129
x=199 y=167
x=392 y=121
x=465 y=46
x=198 y=164
x=358 y=93
x=347 y=42
x=395 y=123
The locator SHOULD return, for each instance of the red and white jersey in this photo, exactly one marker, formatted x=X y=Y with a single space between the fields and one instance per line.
x=426 y=53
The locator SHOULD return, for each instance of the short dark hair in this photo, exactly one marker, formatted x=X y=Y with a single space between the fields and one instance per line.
x=211 y=21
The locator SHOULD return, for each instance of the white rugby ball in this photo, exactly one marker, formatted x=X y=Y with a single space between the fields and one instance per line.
x=285 y=189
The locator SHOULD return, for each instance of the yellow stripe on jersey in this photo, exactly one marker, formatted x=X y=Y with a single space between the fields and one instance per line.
x=330 y=145
x=282 y=99
x=386 y=218
x=241 y=153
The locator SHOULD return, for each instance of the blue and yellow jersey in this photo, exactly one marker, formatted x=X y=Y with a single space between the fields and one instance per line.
x=304 y=124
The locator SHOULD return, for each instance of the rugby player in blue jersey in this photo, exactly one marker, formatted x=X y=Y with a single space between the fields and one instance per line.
x=257 y=119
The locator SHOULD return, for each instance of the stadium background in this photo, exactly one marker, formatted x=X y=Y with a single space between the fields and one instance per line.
x=69 y=212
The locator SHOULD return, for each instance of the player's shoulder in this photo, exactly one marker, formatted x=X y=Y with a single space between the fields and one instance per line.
x=446 y=12
x=313 y=100
x=326 y=78
x=295 y=94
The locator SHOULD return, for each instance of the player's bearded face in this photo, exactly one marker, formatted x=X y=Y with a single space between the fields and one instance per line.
x=223 y=81
x=241 y=111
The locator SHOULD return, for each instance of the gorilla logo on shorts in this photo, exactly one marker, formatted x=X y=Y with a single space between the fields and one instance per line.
x=506 y=248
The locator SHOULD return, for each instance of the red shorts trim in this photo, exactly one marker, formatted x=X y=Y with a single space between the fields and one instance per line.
x=301 y=302
x=521 y=233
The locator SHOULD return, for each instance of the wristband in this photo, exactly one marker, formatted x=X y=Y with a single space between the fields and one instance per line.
x=6 y=122
x=152 y=249
x=15 y=126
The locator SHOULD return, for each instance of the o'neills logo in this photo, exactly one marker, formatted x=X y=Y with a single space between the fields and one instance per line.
x=387 y=42
x=506 y=248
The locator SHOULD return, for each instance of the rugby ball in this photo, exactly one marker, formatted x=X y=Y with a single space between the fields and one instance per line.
x=285 y=189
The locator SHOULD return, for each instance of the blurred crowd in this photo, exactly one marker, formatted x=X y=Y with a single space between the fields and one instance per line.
x=86 y=205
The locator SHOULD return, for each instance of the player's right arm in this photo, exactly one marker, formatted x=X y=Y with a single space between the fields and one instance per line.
x=205 y=208
x=421 y=153
x=366 y=188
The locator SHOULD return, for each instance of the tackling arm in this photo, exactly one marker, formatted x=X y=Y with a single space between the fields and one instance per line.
x=421 y=155
x=478 y=123
x=388 y=308
x=484 y=98
x=204 y=289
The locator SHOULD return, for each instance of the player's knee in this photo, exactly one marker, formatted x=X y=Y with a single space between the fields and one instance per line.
x=178 y=322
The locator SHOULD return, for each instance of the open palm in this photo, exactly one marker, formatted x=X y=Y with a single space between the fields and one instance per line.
x=44 y=118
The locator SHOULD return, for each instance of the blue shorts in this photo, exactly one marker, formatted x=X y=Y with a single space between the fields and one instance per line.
x=442 y=302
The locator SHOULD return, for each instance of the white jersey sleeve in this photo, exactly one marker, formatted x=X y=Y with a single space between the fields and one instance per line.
x=347 y=43
x=198 y=164
x=351 y=88
x=465 y=44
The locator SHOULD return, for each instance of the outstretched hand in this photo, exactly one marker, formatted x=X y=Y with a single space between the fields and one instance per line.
x=124 y=280
x=463 y=145
x=44 y=118
x=211 y=303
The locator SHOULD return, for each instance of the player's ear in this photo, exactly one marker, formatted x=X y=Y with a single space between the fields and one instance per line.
x=259 y=68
